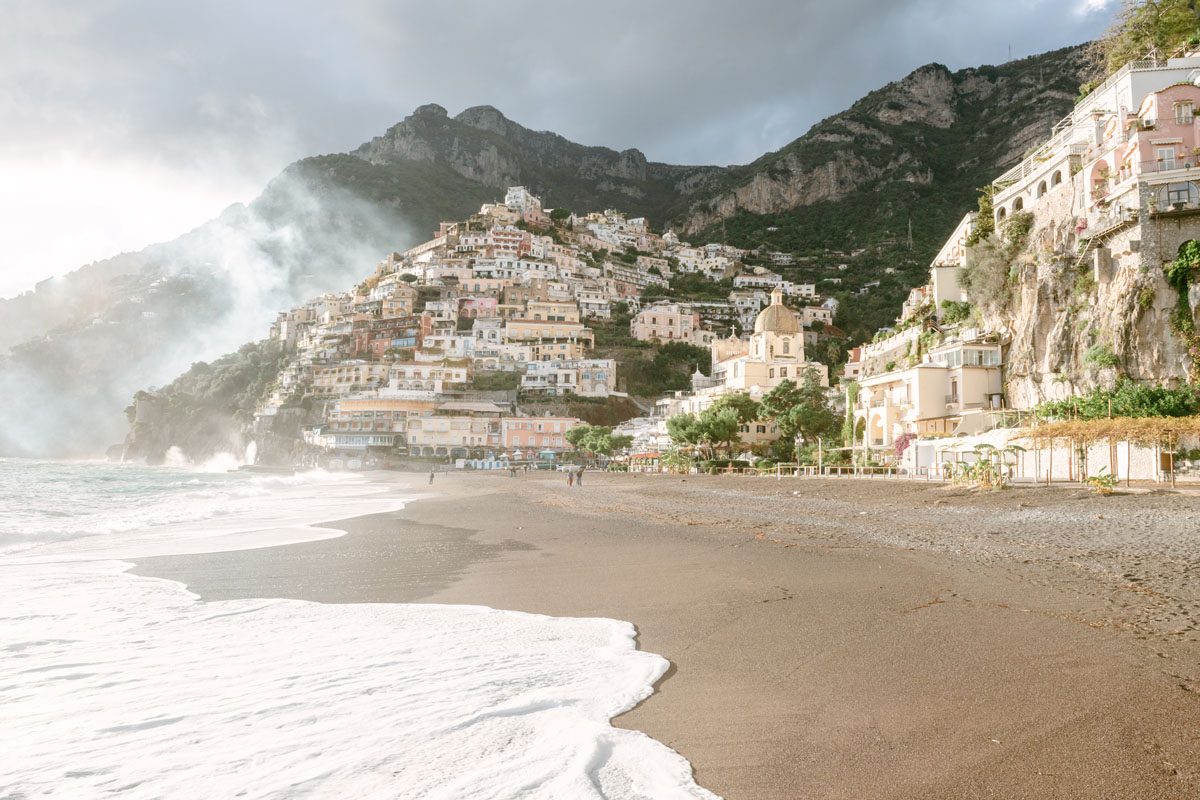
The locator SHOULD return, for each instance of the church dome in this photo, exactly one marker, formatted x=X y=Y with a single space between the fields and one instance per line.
x=776 y=318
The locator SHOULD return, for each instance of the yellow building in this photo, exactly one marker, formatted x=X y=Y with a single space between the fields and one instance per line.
x=524 y=330
x=774 y=353
x=952 y=391
x=347 y=378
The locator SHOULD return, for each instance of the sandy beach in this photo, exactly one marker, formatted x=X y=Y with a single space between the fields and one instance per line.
x=828 y=639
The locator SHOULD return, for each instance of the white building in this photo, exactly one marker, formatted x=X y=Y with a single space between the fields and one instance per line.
x=591 y=377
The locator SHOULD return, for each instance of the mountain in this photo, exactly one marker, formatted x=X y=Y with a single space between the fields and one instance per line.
x=913 y=151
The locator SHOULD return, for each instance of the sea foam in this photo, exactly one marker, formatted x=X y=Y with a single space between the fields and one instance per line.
x=113 y=684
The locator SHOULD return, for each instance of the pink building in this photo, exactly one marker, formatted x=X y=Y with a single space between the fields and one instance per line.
x=537 y=433
x=665 y=322
x=473 y=307
x=1156 y=146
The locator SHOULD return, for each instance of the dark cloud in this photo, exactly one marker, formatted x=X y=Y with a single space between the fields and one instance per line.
x=240 y=89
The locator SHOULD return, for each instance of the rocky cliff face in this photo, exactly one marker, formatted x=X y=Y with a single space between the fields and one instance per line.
x=1074 y=326
x=483 y=146
x=936 y=135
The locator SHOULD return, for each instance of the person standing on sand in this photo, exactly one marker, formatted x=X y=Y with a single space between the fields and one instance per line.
x=570 y=477
x=579 y=477
x=431 y=477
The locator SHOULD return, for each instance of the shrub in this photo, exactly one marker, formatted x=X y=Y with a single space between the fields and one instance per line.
x=1101 y=356
x=954 y=312
x=1103 y=483
x=1145 y=298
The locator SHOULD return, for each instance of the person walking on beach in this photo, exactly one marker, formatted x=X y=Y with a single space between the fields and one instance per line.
x=430 y=477
x=570 y=477
x=579 y=477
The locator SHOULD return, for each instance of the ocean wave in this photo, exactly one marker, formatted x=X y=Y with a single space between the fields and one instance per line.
x=56 y=502
x=168 y=694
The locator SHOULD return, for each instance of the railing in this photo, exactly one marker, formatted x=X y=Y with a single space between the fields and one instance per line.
x=840 y=471
x=951 y=399
x=1064 y=127
x=1187 y=205
x=1109 y=222
x=1161 y=165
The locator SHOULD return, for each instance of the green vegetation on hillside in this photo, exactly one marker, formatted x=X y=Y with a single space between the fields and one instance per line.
x=201 y=411
x=668 y=370
x=1146 y=29
x=495 y=381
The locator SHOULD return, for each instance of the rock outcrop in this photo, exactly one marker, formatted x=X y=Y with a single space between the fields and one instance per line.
x=1063 y=313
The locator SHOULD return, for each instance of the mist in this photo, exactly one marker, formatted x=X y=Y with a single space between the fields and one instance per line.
x=66 y=383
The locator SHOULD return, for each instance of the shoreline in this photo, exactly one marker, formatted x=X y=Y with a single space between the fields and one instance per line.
x=831 y=642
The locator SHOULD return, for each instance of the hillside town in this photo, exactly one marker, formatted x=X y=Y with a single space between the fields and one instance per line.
x=481 y=344
x=439 y=352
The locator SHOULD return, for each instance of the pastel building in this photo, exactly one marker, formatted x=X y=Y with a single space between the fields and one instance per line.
x=949 y=391
x=1138 y=126
x=774 y=353
x=665 y=322
x=591 y=377
x=537 y=433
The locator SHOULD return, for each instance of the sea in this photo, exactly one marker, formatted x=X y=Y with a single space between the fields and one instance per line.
x=114 y=685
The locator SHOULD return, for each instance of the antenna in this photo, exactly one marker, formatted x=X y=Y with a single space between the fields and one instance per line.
x=1010 y=52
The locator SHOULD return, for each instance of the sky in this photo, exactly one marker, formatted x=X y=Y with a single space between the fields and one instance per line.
x=128 y=122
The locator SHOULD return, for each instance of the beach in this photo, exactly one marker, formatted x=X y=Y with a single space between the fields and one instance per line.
x=827 y=638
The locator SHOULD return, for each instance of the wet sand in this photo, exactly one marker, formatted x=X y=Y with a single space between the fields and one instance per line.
x=830 y=639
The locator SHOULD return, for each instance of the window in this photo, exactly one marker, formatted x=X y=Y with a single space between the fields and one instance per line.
x=771 y=373
x=783 y=372
x=1166 y=158
x=787 y=346
x=1183 y=113
x=1181 y=193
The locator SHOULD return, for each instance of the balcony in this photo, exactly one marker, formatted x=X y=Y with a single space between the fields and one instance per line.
x=1154 y=166
x=952 y=399
x=1187 y=207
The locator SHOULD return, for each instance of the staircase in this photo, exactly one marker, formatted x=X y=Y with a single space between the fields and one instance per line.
x=1107 y=227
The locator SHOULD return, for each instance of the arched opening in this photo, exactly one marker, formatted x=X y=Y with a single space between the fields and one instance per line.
x=1018 y=204
x=876 y=430
x=1001 y=213
x=1041 y=189
x=1056 y=178
x=1179 y=195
